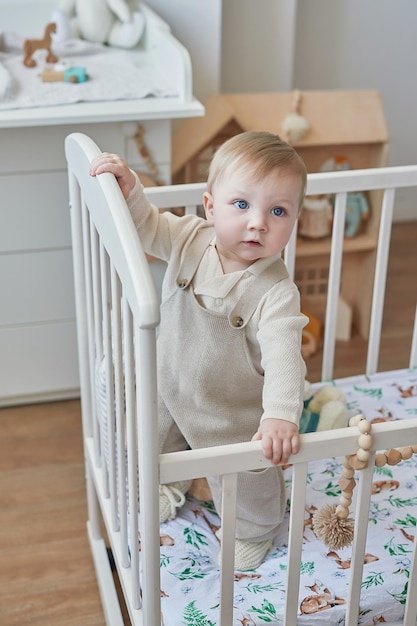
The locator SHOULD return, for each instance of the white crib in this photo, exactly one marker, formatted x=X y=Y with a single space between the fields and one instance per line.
x=117 y=318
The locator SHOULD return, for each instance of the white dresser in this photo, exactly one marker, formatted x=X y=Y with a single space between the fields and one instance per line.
x=38 y=354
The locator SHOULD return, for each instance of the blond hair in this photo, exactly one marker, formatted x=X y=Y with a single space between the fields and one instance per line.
x=260 y=152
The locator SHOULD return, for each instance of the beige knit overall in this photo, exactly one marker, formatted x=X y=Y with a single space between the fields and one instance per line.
x=211 y=393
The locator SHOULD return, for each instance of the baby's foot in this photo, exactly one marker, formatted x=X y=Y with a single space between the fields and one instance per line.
x=250 y=554
x=172 y=498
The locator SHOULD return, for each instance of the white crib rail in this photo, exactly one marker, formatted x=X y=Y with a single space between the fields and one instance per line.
x=117 y=314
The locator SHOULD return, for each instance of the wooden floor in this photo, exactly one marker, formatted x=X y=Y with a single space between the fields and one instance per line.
x=46 y=571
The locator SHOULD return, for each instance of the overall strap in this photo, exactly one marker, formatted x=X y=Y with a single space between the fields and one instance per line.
x=193 y=254
x=245 y=307
x=249 y=299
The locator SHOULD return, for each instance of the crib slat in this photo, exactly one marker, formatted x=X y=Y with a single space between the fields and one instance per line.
x=108 y=458
x=361 y=514
x=411 y=602
x=82 y=281
x=119 y=457
x=227 y=553
x=295 y=541
x=96 y=352
x=380 y=281
x=289 y=252
x=413 y=352
x=335 y=269
x=148 y=446
x=131 y=453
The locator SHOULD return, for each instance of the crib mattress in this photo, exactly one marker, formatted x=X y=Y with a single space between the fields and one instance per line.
x=189 y=551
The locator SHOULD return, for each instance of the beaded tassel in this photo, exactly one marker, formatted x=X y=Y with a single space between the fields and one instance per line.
x=331 y=524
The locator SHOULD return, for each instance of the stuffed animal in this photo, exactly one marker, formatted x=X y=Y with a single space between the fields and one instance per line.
x=357 y=211
x=323 y=410
x=112 y=22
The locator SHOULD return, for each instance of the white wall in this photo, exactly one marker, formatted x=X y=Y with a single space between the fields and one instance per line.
x=197 y=24
x=351 y=44
x=258 y=41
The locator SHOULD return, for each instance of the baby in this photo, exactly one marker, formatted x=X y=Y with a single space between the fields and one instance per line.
x=229 y=348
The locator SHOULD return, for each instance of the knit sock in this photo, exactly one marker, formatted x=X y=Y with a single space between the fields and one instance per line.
x=172 y=498
x=250 y=554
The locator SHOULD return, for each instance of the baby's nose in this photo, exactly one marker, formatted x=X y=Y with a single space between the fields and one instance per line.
x=257 y=220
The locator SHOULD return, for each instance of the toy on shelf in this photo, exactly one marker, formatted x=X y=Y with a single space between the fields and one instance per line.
x=113 y=22
x=310 y=335
x=295 y=126
x=357 y=211
x=316 y=217
x=357 y=208
x=31 y=45
x=64 y=74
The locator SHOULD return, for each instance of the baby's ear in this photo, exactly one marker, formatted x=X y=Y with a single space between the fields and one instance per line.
x=208 y=207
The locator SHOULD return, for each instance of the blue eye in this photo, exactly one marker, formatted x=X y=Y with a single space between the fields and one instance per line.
x=241 y=204
x=278 y=211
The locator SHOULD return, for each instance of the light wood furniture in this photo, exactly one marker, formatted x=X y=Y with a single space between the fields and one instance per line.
x=343 y=124
x=347 y=125
x=38 y=355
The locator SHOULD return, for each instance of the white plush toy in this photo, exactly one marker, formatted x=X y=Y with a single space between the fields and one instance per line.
x=330 y=404
x=112 y=22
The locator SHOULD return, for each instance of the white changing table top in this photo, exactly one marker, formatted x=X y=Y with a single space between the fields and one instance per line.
x=157 y=49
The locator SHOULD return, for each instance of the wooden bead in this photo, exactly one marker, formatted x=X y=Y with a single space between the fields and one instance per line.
x=414 y=448
x=363 y=455
x=380 y=459
x=365 y=441
x=345 y=502
x=342 y=512
x=354 y=421
x=364 y=426
x=406 y=452
x=348 y=472
x=346 y=462
x=346 y=494
x=393 y=456
x=347 y=484
x=357 y=464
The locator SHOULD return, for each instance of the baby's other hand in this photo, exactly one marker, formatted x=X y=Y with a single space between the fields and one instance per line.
x=279 y=438
x=114 y=164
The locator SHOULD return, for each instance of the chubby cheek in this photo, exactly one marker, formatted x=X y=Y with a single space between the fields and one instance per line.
x=281 y=238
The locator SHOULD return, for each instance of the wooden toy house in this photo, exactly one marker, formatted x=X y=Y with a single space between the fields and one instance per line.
x=346 y=126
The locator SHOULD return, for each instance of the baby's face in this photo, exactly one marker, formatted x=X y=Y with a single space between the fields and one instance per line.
x=253 y=219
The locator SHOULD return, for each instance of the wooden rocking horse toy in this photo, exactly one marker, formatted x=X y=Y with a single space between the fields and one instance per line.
x=31 y=45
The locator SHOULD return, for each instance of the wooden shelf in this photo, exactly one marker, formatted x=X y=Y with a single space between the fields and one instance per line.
x=360 y=243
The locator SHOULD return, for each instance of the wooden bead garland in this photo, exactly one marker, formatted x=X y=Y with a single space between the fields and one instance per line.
x=146 y=156
x=331 y=524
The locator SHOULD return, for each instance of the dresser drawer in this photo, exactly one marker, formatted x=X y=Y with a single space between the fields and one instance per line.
x=36 y=287
x=41 y=363
x=35 y=211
